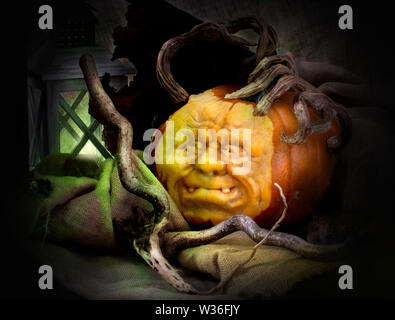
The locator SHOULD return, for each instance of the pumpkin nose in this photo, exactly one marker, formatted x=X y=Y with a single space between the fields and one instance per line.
x=211 y=169
x=208 y=165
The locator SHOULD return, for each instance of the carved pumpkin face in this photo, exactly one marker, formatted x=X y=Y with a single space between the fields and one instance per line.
x=208 y=191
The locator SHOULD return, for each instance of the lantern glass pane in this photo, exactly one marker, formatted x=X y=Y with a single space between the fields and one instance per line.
x=67 y=142
x=71 y=136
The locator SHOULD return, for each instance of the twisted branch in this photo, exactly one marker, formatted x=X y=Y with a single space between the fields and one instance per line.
x=134 y=175
x=137 y=179
x=176 y=241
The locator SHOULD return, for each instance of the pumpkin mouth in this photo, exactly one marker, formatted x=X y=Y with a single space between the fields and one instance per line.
x=229 y=197
x=226 y=190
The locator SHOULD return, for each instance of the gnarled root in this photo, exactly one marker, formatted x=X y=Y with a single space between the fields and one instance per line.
x=175 y=241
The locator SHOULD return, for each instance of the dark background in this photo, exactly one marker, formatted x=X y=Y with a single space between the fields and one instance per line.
x=367 y=50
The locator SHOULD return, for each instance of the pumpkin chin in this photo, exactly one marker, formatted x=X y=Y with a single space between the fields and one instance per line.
x=208 y=193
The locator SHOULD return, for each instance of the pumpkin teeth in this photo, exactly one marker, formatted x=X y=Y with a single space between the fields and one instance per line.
x=223 y=190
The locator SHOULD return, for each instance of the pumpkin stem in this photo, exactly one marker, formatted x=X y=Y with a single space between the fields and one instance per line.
x=210 y=31
x=274 y=76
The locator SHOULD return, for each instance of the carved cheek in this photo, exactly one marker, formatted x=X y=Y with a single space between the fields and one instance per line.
x=171 y=173
x=257 y=183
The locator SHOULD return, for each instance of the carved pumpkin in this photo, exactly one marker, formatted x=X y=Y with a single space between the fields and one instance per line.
x=208 y=193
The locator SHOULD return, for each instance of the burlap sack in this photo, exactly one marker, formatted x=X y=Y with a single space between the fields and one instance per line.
x=77 y=215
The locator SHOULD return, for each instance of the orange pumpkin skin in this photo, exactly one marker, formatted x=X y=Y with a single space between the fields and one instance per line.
x=303 y=171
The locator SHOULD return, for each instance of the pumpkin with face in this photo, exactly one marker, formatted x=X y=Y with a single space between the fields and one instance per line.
x=210 y=191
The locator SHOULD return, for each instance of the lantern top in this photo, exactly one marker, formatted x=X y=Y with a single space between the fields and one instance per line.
x=65 y=64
